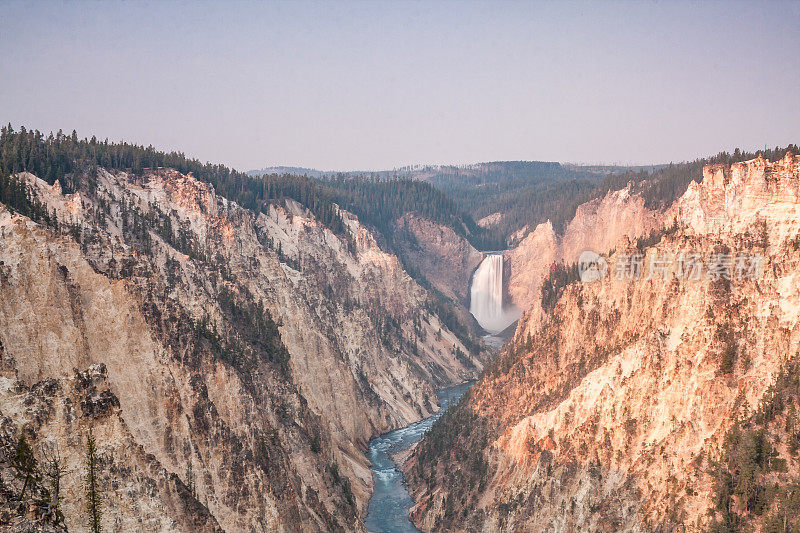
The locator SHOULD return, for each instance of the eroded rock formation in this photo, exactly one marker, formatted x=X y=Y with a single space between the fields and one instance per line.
x=611 y=412
x=234 y=365
x=597 y=226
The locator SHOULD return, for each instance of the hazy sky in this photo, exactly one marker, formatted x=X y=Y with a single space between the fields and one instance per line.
x=368 y=85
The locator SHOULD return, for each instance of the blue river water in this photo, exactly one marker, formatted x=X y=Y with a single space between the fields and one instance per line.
x=390 y=502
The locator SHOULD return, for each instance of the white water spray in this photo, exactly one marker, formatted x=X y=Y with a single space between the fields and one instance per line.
x=486 y=296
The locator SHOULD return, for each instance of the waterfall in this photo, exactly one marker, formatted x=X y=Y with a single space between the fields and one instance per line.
x=486 y=296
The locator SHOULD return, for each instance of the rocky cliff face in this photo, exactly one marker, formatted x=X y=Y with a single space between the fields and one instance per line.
x=445 y=259
x=597 y=226
x=231 y=366
x=615 y=410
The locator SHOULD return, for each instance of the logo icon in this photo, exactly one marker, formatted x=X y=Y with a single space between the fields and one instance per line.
x=591 y=266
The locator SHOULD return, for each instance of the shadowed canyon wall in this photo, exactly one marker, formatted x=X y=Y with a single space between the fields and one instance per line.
x=232 y=366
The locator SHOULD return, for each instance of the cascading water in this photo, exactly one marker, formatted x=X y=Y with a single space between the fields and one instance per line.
x=486 y=296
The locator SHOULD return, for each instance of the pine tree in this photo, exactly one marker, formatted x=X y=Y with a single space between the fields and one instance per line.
x=92 y=492
x=190 y=481
x=53 y=469
x=24 y=463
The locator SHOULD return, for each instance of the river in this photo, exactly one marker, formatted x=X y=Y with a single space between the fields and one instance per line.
x=390 y=502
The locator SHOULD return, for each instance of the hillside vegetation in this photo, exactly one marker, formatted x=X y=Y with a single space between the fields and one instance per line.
x=376 y=202
x=528 y=193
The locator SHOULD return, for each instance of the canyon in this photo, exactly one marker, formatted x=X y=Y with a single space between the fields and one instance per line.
x=238 y=349
x=624 y=406
x=231 y=366
x=399 y=267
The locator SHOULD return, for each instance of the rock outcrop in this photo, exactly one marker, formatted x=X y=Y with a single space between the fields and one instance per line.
x=597 y=225
x=444 y=258
x=611 y=412
x=446 y=262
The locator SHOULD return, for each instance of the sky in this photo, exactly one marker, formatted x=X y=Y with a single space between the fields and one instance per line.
x=378 y=85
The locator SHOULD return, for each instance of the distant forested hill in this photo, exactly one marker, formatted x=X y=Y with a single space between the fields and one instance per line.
x=376 y=202
x=524 y=193
x=527 y=193
x=280 y=169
